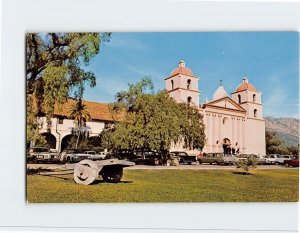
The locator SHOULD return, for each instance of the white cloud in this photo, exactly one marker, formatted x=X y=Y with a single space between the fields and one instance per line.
x=277 y=102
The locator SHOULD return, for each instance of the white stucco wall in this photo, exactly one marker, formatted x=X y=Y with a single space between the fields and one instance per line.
x=59 y=131
x=181 y=95
x=95 y=127
x=255 y=136
x=216 y=131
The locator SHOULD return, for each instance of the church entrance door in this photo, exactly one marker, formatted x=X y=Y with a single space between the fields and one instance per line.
x=226 y=146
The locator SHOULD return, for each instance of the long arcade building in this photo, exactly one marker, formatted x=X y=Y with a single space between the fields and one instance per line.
x=233 y=124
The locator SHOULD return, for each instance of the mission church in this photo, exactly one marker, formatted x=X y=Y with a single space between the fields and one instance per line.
x=233 y=124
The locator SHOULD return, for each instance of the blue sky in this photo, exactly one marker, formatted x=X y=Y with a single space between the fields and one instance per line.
x=269 y=59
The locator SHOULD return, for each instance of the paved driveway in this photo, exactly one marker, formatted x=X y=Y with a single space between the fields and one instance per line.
x=136 y=167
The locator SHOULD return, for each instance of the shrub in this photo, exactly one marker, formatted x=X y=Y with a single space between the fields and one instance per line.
x=245 y=164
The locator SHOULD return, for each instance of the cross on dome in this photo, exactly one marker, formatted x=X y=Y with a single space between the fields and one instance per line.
x=181 y=63
x=220 y=92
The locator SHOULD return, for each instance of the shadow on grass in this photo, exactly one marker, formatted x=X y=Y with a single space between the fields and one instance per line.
x=35 y=171
x=103 y=182
x=40 y=171
x=242 y=173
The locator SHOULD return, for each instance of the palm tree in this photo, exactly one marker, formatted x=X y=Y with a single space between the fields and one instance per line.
x=80 y=114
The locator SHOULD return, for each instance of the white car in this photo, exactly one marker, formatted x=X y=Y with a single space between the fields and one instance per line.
x=287 y=157
x=275 y=159
x=76 y=155
x=93 y=155
x=259 y=158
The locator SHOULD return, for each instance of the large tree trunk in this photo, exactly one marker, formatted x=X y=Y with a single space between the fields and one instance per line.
x=77 y=141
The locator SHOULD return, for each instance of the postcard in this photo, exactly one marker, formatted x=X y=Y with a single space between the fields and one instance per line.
x=148 y=117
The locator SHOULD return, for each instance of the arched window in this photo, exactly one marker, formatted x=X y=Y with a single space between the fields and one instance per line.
x=255 y=112
x=188 y=84
x=225 y=120
x=254 y=98
x=172 y=84
x=189 y=100
x=239 y=97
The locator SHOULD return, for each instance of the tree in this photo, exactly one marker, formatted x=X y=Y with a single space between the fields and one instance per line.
x=245 y=164
x=154 y=122
x=80 y=114
x=128 y=99
x=294 y=150
x=273 y=144
x=55 y=70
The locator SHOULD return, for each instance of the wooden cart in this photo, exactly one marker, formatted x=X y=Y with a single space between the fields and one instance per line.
x=86 y=171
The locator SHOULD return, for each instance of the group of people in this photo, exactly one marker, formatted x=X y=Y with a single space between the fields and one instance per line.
x=227 y=151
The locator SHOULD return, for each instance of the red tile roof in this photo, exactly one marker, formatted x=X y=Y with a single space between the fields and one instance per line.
x=182 y=70
x=97 y=110
x=245 y=86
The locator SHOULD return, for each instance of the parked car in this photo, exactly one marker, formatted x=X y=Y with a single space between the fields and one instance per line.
x=217 y=158
x=259 y=158
x=147 y=158
x=42 y=154
x=93 y=155
x=294 y=162
x=274 y=159
x=287 y=157
x=184 y=157
x=140 y=157
x=73 y=155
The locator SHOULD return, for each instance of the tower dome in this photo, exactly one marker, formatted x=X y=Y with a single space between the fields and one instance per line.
x=245 y=85
x=220 y=92
x=181 y=69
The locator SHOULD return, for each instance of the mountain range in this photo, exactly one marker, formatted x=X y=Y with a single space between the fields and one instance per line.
x=287 y=129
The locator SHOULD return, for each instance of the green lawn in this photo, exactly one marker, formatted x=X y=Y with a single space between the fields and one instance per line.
x=171 y=186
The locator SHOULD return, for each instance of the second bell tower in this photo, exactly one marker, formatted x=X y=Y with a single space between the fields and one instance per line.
x=182 y=85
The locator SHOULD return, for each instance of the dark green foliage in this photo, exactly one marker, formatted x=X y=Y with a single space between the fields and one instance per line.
x=79 y=141
x=275 y=146
x=127 y=99
x=153 y=121
x=245 y=164
x=294 y=150
x=55 y=70
x=80 y=115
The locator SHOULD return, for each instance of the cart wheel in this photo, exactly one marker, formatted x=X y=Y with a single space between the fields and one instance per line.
x=85 y=172
x=112 y=174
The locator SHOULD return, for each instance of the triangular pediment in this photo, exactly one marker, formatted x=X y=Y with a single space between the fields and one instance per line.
x=225 y=103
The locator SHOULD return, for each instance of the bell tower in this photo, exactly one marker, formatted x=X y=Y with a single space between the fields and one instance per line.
x=182 y=85
x=249 y=98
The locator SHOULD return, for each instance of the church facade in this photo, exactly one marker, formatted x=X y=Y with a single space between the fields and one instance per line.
x=233 y=123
